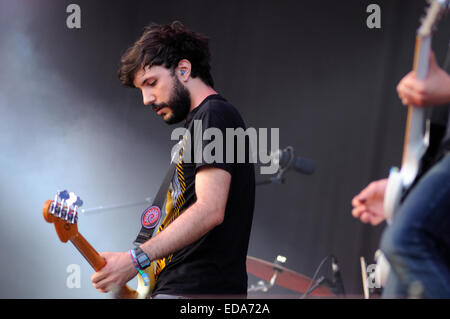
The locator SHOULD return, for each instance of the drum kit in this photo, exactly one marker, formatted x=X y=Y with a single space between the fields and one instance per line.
x=274 y=274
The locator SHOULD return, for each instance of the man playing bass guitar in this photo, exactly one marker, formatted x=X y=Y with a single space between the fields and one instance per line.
x=200 y=248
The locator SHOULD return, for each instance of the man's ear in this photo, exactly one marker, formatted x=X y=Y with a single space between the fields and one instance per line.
x=183 y=70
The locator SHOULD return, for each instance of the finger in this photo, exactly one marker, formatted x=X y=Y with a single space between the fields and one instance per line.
x=358 y=211
x=361 y=198
x=407 y=80
x=412 y=96
x=367 y=192
x=108 y=286
x=103 y=285
x=375 y=220
x=356 y=201
x=366 y=217
x=98 y=276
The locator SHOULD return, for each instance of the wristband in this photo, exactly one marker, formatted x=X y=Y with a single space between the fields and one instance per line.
x=144 y=276
x=133 y=258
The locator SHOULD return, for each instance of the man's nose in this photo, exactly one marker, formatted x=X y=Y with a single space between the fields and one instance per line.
x=148 y=98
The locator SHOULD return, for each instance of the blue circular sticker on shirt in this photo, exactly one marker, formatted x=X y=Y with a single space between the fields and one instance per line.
x=150 y=217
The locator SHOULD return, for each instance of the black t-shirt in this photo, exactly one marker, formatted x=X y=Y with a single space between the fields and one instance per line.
x=440 y=120
x=216 y=263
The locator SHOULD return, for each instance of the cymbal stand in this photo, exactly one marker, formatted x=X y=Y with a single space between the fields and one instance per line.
x=260 y=286
x=265 y=286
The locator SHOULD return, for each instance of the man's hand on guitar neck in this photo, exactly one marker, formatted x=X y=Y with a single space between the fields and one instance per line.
x=433 y=90
x=119 y=269
x=368 y=204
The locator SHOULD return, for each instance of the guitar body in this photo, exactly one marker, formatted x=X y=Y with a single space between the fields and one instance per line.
x=144 y=291
x=58 y=212
x=394 y=192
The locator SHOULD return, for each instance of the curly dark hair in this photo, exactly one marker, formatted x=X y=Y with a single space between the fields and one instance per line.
x=166 y=45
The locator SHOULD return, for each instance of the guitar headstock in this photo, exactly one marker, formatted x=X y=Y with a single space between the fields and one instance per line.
x=434 y=12
x=63 y=213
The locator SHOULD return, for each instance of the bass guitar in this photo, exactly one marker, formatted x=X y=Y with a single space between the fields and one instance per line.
x=63 y=213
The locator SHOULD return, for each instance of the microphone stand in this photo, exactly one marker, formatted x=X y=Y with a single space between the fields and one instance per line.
x=273 y=180
x=279 y=179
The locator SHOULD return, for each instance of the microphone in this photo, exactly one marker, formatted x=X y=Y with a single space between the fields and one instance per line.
x=338 y=284
x=286 y=159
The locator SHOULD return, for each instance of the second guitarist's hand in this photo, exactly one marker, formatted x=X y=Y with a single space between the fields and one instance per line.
x=119 y=269
x=433 y=90
x=368 y=204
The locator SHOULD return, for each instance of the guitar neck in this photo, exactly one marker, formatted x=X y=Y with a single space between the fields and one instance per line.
x=89 y=253
x=414 y=143
x=97 y=262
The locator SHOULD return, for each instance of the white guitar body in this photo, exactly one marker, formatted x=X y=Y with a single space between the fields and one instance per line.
x=399 y=181
x=416 y=135
x=393 y=194
x=142 y=291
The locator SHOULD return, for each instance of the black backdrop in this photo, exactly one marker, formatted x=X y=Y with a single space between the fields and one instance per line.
x=312 y=69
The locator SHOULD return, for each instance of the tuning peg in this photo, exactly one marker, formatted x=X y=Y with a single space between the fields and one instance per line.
x=63 y=194
x=67 y=212
x=72 y=198
x=60 y=198
x=73 y=218
x=54 y=204
x=78 y=202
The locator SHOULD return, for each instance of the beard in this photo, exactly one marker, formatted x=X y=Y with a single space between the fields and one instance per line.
x=179 y=103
